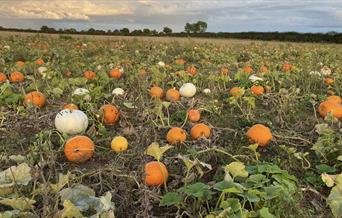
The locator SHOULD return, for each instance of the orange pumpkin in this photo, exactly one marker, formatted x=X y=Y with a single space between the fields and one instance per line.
x=286 y=67
x=156 y=173
x=172 y=95
x=330 y=107
x=20 y=64
x=263 y=69
x=16 y=77
x=3 y=77
x=156 y=92
x=236 y=92
x=142 y=72
x=259 y=134
x=194 y=115
x=116 y=73
x=79 y=149
x=36 y=98
x=89 y=74
x=70 y=106
x=39 y=61
x=329 y=81
x=176 y=135
x=200 y=130
x=257 y=90
x=191 y=70
x=335 y=99
x=111 y=114
x=180 y=61
x=224 y=71
x=248 y=69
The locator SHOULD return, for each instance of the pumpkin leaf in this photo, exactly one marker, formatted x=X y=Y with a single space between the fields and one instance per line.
x=334 y=201
x=80 y=195
x=265 y=213
x=237 y=169
x=327 y=179
x=171 y=198
x=70 y=210
x=19 y=175
x=21 y=203
x=129 y=105
x=155 y=151
x=62 y=181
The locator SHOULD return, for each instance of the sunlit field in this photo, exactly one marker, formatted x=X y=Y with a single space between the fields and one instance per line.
x=110 y=126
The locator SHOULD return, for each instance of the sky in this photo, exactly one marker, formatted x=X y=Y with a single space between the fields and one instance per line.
x=221 y=15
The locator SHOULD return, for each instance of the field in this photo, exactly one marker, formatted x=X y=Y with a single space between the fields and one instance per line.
x=260 y=137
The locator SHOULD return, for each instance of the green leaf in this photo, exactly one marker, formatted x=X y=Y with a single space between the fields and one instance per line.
x=323 y=168
x=79 y=195
x=70 y=210
x=264 y=213
x=198 y=190
x=237 y=169
x=334 y=201
x=155 y=151
x=220 y=186
x=232 y=203
x=21 y=203
x=171 y=198
x=129 y=105
x=62 y=181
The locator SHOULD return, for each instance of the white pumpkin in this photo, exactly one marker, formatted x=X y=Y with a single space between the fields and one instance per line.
x=161 y=64
x=253 y=78
x=82 y=92
x=118 y=91
x=71 y=121
x=325 y=71
x=187 y=90
x=206 y=91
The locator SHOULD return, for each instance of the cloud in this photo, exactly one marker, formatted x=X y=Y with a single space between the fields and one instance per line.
x=221 y=15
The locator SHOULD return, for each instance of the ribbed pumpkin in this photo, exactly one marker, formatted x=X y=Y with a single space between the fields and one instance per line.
x=79 y=149
x=70 y=106
x=286 y=67
x=39 y=61
x=172 y=95
x=263 y=69
x=20 y=64
x=156 y=92
x=36 y=98
x=180 y=61
x=116 y=73
x=330 y=107
x=248 y=69
x=191 y=70
x=175 y=135
x=329 y=81
x=257 y=90
x=335 y=99
x=194 y=115
x=89 y=74
x=110 y=114
x=259 y=134
x=3 y=77
x=236 y=92
x=16 y=77
x=156 y=173
x=200 y=130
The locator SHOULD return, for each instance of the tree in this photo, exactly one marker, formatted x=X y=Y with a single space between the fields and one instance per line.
x=146 y=31
x=124 y=31
x=167 y=30
x=189 y=28
x=200 y=27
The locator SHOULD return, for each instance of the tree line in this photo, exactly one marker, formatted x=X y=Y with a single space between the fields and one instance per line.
x=197 y=29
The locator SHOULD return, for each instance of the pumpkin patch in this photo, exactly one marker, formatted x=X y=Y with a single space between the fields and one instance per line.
x=154 y=128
